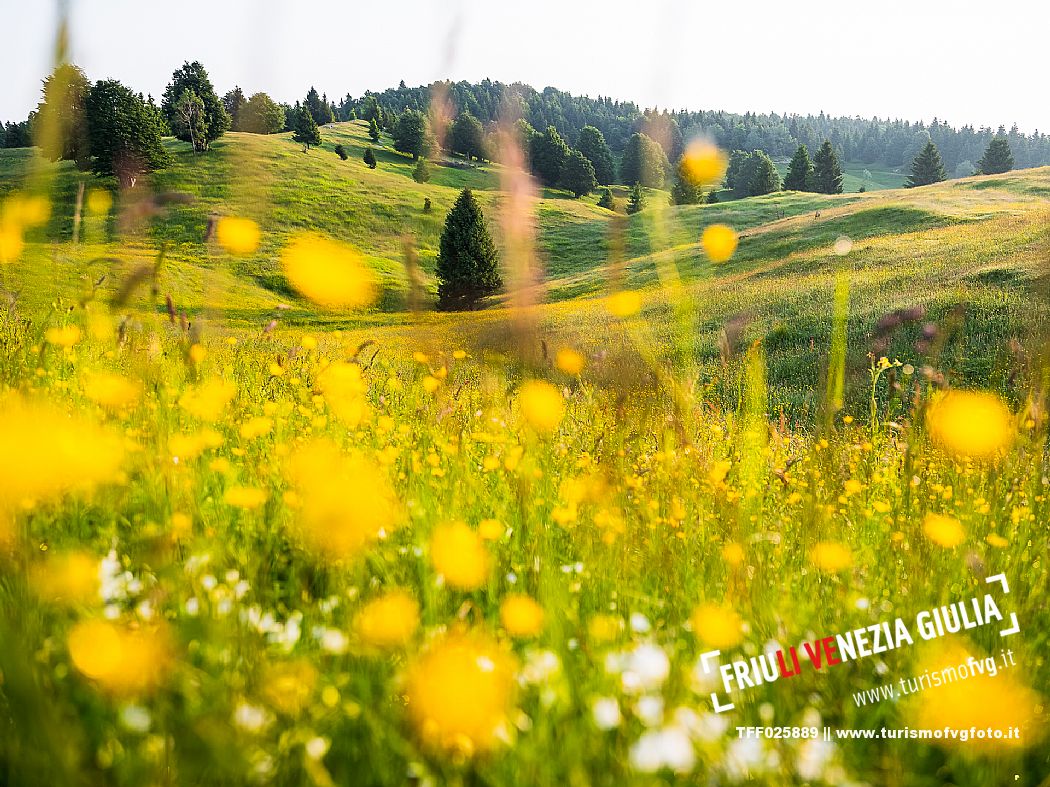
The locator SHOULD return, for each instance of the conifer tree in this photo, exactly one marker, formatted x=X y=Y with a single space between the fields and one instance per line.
x=645 y=162
x=685 y=190
x=305 y=130
x=591 y=143
x=763 y=177
x=60 y=123
x=606 y=200
x=827 y=174
x=637 y=200
x=997 y=158
x=927 y=167
x=370 y=158
x=467 y=265
x=421 y=174
x=373 y=130
x=800 y=171
x=123 y=133
x=547 y=154
x=577 y=174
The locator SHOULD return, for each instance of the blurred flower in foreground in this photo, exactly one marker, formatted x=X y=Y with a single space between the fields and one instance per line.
x=208 y=400
x=461 y=691
x=717 y=625
x=112 y=391
x=99 y=202
x=121 y=660
x=719 y=242
x=330 y=274
x=973 y=424
x=831 y=556
x=71 y=578
x=624 y=303
x=944 y=530
x=246 y=497
x=345 y=390
x=996 y=700
x=237 y=235
x=45 y=453
x=346 y=501
x=459 y=555
x=669 y=748
x=521 y=616
x=388 y=621
x=288 y=686
x=542 y=405
x=703 y=164
x=66 y=336
x=569 y=361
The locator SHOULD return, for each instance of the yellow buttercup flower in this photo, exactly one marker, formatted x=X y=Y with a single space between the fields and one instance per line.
x=831 y=556
x=289 y=686
x=208 y=400
x=112 y=391
x=388 y=621
x=491 y=529
x=66 y=336
x=71 y=578
x=624 y=303
x=719 y=242
x=345 y=390
x=542 y=405
x=12 y=242
x=44 y=453
x=521 y=615
x=246 y=497
x=944 y=530
x=569 y=361
x=120 y=660
x=703 y=164
x=346 y=501
x=237 y=235
x=717 y=625
x=460 y=693
x=99 y=202
x=330 y=274
x=973 y=424
x=459 y=555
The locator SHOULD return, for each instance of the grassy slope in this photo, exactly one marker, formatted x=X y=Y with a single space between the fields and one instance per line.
x=980 y=241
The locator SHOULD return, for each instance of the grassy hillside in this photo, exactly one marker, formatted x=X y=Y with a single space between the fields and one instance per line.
x=979 y=242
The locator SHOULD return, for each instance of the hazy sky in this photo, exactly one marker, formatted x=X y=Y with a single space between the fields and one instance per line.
x=964 y=62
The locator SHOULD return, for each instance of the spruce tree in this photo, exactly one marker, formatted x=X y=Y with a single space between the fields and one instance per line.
x=637 y=200
x=763 y=177
x=421 y=174
x=467 y=136
x=412 y=134
x=645 y=162
x=373 y=130
x=827 y=174
x=305 y=130
x=927 y=167
x=606 y=200
x=685 y=191
x=547 y=154
x=997 y=158
x=800 y=171
x=591 y=143
x=60 y=121
x=467 y=265
x=341 y=152
x=577 y=174
x=370 y=158
x=123 y=133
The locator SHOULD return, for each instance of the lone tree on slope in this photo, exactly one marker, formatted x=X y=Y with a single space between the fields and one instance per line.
x=927 y=167
x=467 y=265
x=997 y=158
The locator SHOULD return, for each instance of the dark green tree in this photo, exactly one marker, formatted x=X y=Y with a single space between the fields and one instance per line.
x=591 y=143
x=60 y=122
x=827 y=174
x=341 y=152
x=262 y=115
x=685 y=191
x=467 y=264
x=763 y=177
x=17 y=135
x=234 y=103
x=412 y=134
x=637 y=199
x=318 y=108
x=712 y=198
x=800 y=171
x=428 y=206
x=577 y=174
x=547 y=154
x=194 y=78
x=123 y=133
x=927 y=167
x=305 y=130
x=373 y=130
x=738 y=173
x=467 y=136
x=370 y=110
x=606 y=200
x=421 y=174
x=370 y=158
x=645 y=162
x=187 y=119
x=997 y=158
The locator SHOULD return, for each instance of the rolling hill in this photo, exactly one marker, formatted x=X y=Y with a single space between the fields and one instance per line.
x=982 y=242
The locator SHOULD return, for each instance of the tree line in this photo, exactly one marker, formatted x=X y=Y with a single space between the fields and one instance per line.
x=874 y=141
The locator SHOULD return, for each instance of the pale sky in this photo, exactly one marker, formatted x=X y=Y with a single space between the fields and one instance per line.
x=965 y=62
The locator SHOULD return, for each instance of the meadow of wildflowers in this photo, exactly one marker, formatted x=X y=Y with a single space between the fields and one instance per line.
x=431 y=553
